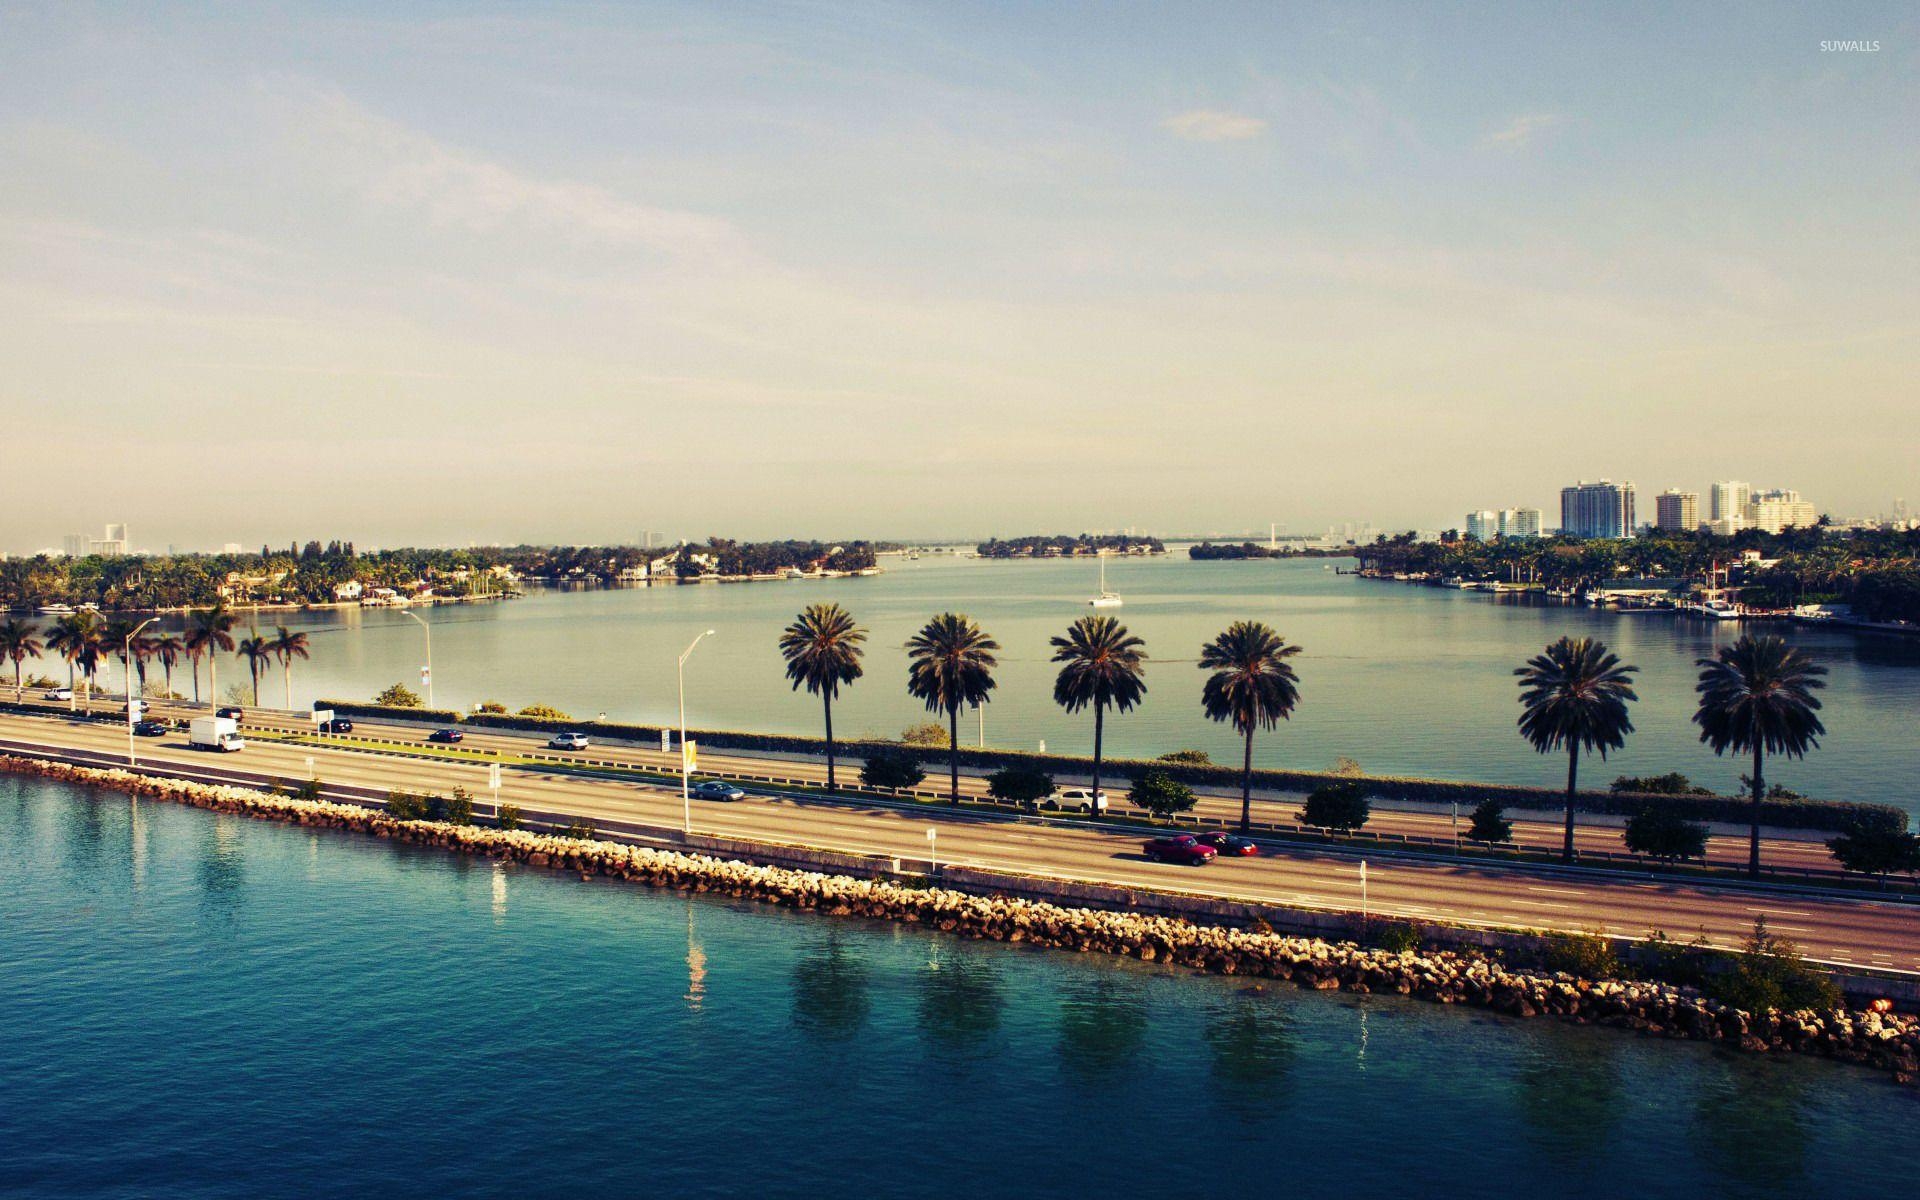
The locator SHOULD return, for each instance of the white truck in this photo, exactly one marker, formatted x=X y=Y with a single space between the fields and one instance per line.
x=215 y=733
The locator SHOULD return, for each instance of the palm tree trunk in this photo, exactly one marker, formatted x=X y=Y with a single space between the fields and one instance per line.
x=1246 y=785
x=953 y=754
x=196 y=679
x=1759 y=798
x=286 y=683
x=213 y=675
x=1099 y=732
x=826 y=702
x=18 y=694
x=1573 y=778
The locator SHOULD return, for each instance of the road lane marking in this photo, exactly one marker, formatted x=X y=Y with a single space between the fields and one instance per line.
x=1557 y=891
x=1785 y=912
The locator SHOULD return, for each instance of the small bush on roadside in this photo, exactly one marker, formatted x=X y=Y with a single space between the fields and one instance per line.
x=457 y=809
x=1190 y=758
x=1490 y=823
x=926 y=735
x=1161 y=794
x=1685 y=964
x=490 y=706
x=1877 y=851
x=399 y=696
x=1660 y=833
x=1347 y=767
x=307 y=789
x=1259 y=924
x=405 y=806
x=580 y=829
x=892 y=769
x=1768 y=972
x=1673 y=783
x=509 y=817
x=1020 y=785
x=1341 y=807
x=1586 y=955
x=545 y=712
x=275 y=787
x=1395 y=937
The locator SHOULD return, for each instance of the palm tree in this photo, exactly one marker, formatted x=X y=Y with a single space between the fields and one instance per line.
x=822 y=649
x=1575 y=695
x=258 y=652
x=1102 y=665
x=950 y=665
x=1757 y=695
x=287 y=646
x=19 y=641
x=168 y=648
x=118 y=637
x=1253 y=686
x=208 y=633
x=80 y=639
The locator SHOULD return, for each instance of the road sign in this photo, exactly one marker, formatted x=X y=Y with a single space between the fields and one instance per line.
x=690 y=756
x=322 y=715
x=426 y=675
x=493 y=776
x=666 y=741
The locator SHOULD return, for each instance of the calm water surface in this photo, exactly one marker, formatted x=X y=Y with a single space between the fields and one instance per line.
x=1407 y=680
x=199 y=1005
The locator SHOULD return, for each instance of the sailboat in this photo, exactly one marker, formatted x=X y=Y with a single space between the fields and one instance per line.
x=1105 y=599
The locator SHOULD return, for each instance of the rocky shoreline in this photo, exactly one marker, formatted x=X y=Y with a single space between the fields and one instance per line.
x=1884 y=1041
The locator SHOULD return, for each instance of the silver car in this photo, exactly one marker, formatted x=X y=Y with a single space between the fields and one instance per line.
x=717 y=789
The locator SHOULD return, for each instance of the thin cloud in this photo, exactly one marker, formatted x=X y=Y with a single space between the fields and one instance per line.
x=1214 y=125
x=1520 y=132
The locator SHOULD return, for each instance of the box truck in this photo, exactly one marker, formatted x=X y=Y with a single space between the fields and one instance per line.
x=215 y=733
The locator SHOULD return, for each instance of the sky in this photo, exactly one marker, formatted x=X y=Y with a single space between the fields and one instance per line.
x=452 y=273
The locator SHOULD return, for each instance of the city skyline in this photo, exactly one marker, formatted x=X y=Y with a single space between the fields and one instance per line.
x=421 y=277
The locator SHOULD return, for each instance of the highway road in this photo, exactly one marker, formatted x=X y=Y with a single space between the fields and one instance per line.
x=1842 y=930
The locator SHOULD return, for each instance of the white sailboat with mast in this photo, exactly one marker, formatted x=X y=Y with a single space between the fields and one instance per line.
x=1105 y=599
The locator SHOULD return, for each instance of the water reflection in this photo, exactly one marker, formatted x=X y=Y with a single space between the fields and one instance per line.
x=960 y=1000
x=1103 y=1025
x=83 y=832
x=499 y=897
x=830 y=986
x=222 y=867
x=696 y=966
x=1252 y=1042
x=1570 y=1093
x=1749 y=1122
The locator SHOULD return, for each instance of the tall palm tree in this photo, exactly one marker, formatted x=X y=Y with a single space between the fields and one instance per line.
x=167 y=647
x=1757 y=695
x=19 y=641
x=287 y=646
x=258 y=652
x=949 y=666
x=80 y=639
x=822 y=649
x=1253 y=686
x=209 y=632
x=1575 y=695
x=1102 y=663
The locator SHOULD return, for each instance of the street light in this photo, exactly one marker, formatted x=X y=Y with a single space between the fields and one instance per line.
x=686 y=767
x=428 y=630
x=131 y=702
x=933 y=859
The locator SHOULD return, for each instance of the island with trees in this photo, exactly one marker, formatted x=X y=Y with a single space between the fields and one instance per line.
x=1059 y=545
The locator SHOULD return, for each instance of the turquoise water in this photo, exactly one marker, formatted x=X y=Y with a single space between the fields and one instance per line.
x=199 y=1005
x=1407 y=680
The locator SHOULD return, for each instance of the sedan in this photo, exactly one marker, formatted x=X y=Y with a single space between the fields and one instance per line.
x=1230 y=844
x=449 y=736
x=1183 y=848
x=59 y=694
x=717 y=789
x=567 y=741
x=151 y=729
x=233 y=711
x=337 y=725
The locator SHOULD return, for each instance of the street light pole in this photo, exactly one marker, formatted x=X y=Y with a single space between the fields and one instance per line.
x=686 y=793
x=428 y=630
x=131 y=700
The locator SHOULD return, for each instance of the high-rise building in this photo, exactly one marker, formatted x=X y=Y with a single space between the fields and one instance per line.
x=1729 y=499
x=1597 y=510
x=1779 y=509
x=1677 y=510
x=112 y=545
x=1483 y=526
x=73 y=545
x=1520 y=522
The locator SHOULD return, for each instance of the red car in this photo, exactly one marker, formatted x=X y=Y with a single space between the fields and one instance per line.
x=1230 y=844
x=1184 y=849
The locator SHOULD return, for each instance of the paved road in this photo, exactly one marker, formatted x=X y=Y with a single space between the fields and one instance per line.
x=1596 y=836
x=1861 y=932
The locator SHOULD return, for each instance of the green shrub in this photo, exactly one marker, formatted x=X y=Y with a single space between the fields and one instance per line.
x=405 y=806
x=1161 y=794
x=509 y=817
x=1585 y=955
x=927 y=736
x=1768 y=972
x=1673 y=783
x=1341 y=807
x=307 y=789
x=1395 y=937
x=1877 y=852
x=544 y=712
x=490 y=706
x=892 y=768
x=579 y=828
x=1658 y=832
x=1490 y=823
x=398 y=696
x=457 y=809
x=1191 y=758
x=1689 y=964
x=1020 y=785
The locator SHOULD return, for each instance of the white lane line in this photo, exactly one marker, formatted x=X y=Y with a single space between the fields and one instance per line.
x=1551 y=904
x=1556 y=891
x=1785 y=912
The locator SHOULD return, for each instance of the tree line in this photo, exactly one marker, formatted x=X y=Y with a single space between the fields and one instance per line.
x=87 y=641
x=1060 y=545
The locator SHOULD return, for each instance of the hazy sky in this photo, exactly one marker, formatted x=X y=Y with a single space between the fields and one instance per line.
x=439 y=273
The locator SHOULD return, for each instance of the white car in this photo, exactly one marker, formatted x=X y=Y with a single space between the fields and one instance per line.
x=567 y=741
x=1078 y=800
x=59 y=694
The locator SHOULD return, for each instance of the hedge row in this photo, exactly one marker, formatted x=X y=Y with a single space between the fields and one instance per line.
x=347 y=708
x=1827 y=815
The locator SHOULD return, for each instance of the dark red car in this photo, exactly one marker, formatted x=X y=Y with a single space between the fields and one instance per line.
x=1230 y=844
x=1184 y=849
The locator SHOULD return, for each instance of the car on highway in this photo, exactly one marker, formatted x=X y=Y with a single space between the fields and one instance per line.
x=58 y=694
x=233 y=712
x=717 y=789
x=150 y=729
x=336 y=725
x=1182 y=848
x=567 y=741
x=449 y=736
x=1077 y=799
x=1230 y=844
